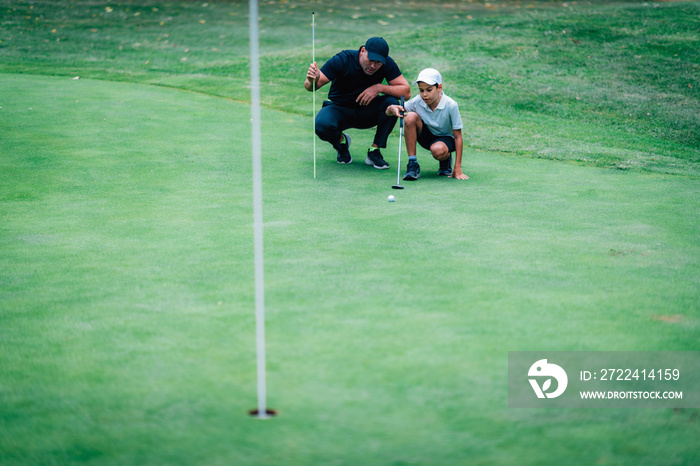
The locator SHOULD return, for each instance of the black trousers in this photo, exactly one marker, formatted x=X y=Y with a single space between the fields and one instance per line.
x=333 y=119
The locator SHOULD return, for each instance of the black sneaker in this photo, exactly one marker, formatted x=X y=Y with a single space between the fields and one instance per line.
x=445 y=167
x=344 y=156
x=374 y=158
x=412 y=171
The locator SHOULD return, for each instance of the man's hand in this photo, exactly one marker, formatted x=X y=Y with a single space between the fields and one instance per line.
x=312 y=76
x=368 y=95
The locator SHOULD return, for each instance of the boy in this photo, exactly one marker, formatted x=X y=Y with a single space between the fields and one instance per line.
x=433 y=121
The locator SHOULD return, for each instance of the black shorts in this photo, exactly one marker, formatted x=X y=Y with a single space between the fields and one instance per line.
x=426 y=139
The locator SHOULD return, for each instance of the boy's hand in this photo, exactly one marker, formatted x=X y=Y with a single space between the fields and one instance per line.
x=457 y=173
x=395 y=110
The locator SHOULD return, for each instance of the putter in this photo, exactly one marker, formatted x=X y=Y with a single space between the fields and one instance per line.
x=398 y=169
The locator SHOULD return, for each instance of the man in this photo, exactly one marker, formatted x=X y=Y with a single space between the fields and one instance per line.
x=358 y=98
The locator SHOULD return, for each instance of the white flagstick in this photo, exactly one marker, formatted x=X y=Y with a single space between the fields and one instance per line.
x=313 y=60
x=257 y=210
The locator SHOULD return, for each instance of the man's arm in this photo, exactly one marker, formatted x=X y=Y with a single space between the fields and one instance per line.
x=315 y=74
x=396 y=88
x=457 y=171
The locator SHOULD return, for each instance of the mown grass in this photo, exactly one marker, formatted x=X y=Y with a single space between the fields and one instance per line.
x=524 y=70
x=127 y=293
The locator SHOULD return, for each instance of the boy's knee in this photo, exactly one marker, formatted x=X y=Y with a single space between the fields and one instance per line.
x=440 y=151
x=411 y=118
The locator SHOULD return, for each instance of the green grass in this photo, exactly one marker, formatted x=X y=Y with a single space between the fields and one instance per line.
x=126 y=274
x=521 y=72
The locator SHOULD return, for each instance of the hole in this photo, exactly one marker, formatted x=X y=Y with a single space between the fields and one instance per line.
x=268 y=412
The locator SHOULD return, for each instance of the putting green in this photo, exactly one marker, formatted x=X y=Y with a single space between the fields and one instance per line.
x=127 y=291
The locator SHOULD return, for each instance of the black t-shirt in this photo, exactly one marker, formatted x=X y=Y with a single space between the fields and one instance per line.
x=348 y=79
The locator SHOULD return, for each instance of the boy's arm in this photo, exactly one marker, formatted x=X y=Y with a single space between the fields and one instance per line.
x=457 y=171
x=399 y=111
x=395 y=110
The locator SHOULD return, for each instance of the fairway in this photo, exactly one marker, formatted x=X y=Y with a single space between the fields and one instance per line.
x=127 y=326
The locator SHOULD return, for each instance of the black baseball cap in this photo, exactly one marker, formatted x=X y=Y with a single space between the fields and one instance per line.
x=377 y=49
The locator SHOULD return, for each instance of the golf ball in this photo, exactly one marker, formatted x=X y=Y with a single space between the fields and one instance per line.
x=391 y=198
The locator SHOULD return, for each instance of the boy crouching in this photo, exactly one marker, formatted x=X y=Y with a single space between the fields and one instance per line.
x=433 y=121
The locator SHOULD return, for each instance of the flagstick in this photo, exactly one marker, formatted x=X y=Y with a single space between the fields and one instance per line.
x=262 y=412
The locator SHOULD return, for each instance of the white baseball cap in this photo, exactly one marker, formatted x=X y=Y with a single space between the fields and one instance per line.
x=429 y=76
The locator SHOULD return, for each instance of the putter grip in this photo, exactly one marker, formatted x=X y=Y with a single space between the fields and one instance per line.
x=401 y=119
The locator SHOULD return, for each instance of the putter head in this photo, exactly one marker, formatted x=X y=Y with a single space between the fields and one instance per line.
x=397 y=186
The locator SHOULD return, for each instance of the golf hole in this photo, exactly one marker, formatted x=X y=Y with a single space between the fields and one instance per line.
x=268 y=412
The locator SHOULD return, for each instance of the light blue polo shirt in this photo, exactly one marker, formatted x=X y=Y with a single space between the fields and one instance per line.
x=443 y=120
